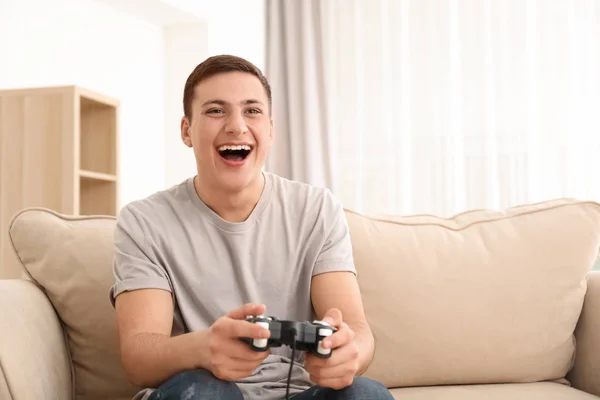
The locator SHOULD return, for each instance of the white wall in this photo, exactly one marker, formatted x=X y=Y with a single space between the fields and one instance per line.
x=241 y=33
x=142 y=56
x=185 y=47
x=234 y=26
x=86 y=43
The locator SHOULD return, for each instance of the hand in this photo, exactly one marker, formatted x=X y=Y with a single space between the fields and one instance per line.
x=230 y=358
x=339 y=370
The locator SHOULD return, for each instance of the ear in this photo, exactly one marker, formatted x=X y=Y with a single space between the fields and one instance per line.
x=185 y=131
x=271 y=130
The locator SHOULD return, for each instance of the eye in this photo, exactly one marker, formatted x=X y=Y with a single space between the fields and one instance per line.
x=214 y=111
x=254 y=111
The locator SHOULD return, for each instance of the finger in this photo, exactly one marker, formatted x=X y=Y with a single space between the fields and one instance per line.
x=343 y=355
x=245 y=329
x=250 y=356
x=341 y=337
x=333 y=317
x=338 y=371
x=243 y=365
x=247 y=310
x=241 y=351
x=335 y=383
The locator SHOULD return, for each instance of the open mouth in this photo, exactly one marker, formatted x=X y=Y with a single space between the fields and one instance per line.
x=235 y=152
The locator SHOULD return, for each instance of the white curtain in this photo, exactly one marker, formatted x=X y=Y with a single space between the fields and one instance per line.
x=440 y=106
x=296 y=71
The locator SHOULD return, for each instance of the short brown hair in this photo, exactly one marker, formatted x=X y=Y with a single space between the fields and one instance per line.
x=214 y=65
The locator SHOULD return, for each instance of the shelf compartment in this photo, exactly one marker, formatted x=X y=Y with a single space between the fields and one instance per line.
x=98 y=133
x=97 y=196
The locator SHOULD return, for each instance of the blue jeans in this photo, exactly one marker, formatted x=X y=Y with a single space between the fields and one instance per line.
x=201 y=385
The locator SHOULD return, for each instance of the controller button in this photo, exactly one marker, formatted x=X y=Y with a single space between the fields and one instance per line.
x=322 y=350
x=261 y=343
x=325 y=332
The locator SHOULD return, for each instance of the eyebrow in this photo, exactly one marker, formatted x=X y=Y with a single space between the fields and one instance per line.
x=223 y=102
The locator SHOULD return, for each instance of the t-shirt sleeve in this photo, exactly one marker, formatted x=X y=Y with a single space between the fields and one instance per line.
x=336 y=252
x=135 y=264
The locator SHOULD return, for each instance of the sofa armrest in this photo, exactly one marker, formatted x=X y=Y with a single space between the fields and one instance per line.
x=34 y=361
x=585 y=374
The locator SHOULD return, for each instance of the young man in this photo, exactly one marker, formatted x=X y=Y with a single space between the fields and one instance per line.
x=193 y=261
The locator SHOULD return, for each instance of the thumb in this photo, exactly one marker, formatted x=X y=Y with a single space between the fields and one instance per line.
x=333 y=317
x=247 y=310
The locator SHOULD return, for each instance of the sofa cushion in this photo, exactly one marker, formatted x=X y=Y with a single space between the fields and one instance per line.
x=70 y=258
x=483 y=297
x=516 y=391
x=34 y=360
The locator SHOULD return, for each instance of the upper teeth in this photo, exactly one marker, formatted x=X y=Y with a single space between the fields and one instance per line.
x=238 y=147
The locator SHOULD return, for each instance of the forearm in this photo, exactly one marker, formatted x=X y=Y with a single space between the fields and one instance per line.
x=366 y=345
x=149 y=359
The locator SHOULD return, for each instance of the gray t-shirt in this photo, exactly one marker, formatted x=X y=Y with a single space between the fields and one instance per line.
x=171 y=240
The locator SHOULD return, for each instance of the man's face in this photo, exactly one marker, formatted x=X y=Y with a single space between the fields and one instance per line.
x=230 y=131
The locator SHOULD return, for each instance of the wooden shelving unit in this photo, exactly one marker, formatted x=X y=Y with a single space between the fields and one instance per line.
x=59 y=149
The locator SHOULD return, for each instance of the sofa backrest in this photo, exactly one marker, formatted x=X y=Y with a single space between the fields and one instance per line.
x=482 y=297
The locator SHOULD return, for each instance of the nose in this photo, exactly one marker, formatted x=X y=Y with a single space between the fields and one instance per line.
x=236 y=124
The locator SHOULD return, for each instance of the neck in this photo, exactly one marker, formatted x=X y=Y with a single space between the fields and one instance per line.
x=231 y=206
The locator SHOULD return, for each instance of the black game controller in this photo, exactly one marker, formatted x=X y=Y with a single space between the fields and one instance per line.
x=302 y=335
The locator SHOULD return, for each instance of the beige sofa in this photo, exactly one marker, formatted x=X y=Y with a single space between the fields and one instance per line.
x=484 y=305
